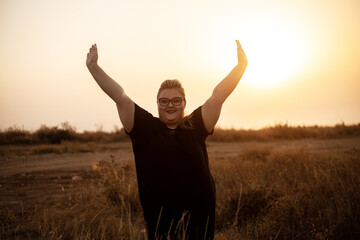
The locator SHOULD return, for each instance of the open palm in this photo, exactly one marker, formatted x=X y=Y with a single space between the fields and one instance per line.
x=92 y=56
x=242 y=60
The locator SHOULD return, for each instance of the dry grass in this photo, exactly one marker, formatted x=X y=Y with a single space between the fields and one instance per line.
x=289 y=195
x=263 y=193
x=63 y=147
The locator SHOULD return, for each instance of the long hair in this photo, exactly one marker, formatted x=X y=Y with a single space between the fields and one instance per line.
x=186 y=122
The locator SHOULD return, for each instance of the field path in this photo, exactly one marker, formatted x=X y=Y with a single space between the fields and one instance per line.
x=27 y=163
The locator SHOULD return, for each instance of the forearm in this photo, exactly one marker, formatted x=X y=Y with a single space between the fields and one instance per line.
x=229 y=83
x=106 y=83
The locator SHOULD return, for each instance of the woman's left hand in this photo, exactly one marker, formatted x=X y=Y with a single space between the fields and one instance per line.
x=242 y=60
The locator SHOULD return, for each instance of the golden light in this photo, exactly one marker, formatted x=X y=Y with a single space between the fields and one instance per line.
x=276 y=50
x=275 y=56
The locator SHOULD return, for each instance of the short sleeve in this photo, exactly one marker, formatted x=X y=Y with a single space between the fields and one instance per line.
x=142 y=123
x=198 y=123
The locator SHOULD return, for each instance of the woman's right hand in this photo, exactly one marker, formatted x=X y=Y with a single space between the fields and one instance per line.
x=92 y=56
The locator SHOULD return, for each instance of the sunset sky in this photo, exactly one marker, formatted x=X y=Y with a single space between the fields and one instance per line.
x=304 y=59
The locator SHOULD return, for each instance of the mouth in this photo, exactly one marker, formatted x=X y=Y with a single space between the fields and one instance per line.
x=170 y=111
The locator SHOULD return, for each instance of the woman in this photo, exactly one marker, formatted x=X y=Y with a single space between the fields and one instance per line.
x=176 y=189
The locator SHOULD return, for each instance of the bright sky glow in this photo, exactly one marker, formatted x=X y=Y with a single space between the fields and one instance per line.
x=303 y=59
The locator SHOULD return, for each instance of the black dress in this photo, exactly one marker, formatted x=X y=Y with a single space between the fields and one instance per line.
x=177 y=191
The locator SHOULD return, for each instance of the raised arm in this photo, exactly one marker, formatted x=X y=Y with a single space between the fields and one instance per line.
x=125 y=105
x=212 y=107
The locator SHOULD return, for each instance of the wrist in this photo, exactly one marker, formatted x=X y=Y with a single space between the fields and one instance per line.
x=242 y=64
x=92 y=66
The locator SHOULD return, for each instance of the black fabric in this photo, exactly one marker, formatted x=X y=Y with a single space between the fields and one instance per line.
x=173 y=175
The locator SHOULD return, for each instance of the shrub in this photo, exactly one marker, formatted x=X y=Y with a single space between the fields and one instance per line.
x=14 y=135
x=54 y=135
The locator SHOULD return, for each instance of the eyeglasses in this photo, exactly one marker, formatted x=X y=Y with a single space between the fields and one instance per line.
x=176 y=101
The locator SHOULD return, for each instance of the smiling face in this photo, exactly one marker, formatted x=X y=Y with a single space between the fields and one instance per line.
x=171 y=115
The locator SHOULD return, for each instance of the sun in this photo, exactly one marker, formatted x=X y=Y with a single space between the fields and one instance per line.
x=274 y=55
x=276 y=52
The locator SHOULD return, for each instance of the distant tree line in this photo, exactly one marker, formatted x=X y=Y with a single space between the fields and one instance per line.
x=284 y=131
x=66 y=132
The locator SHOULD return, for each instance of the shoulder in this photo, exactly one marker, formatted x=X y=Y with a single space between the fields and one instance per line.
x=143 y=120
x=197 y=122
x=140 y=112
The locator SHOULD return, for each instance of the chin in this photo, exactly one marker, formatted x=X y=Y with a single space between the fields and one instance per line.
x=171 y=119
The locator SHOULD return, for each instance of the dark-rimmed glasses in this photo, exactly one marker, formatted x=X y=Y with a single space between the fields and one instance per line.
x=176 y=101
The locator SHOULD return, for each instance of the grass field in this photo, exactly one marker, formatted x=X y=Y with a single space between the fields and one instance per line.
x=276 y=189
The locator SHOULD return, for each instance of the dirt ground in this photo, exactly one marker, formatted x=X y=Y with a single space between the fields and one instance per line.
x=28 y=180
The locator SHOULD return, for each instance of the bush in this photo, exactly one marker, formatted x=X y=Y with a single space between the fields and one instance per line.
x=14 y=135
x=55 y=135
